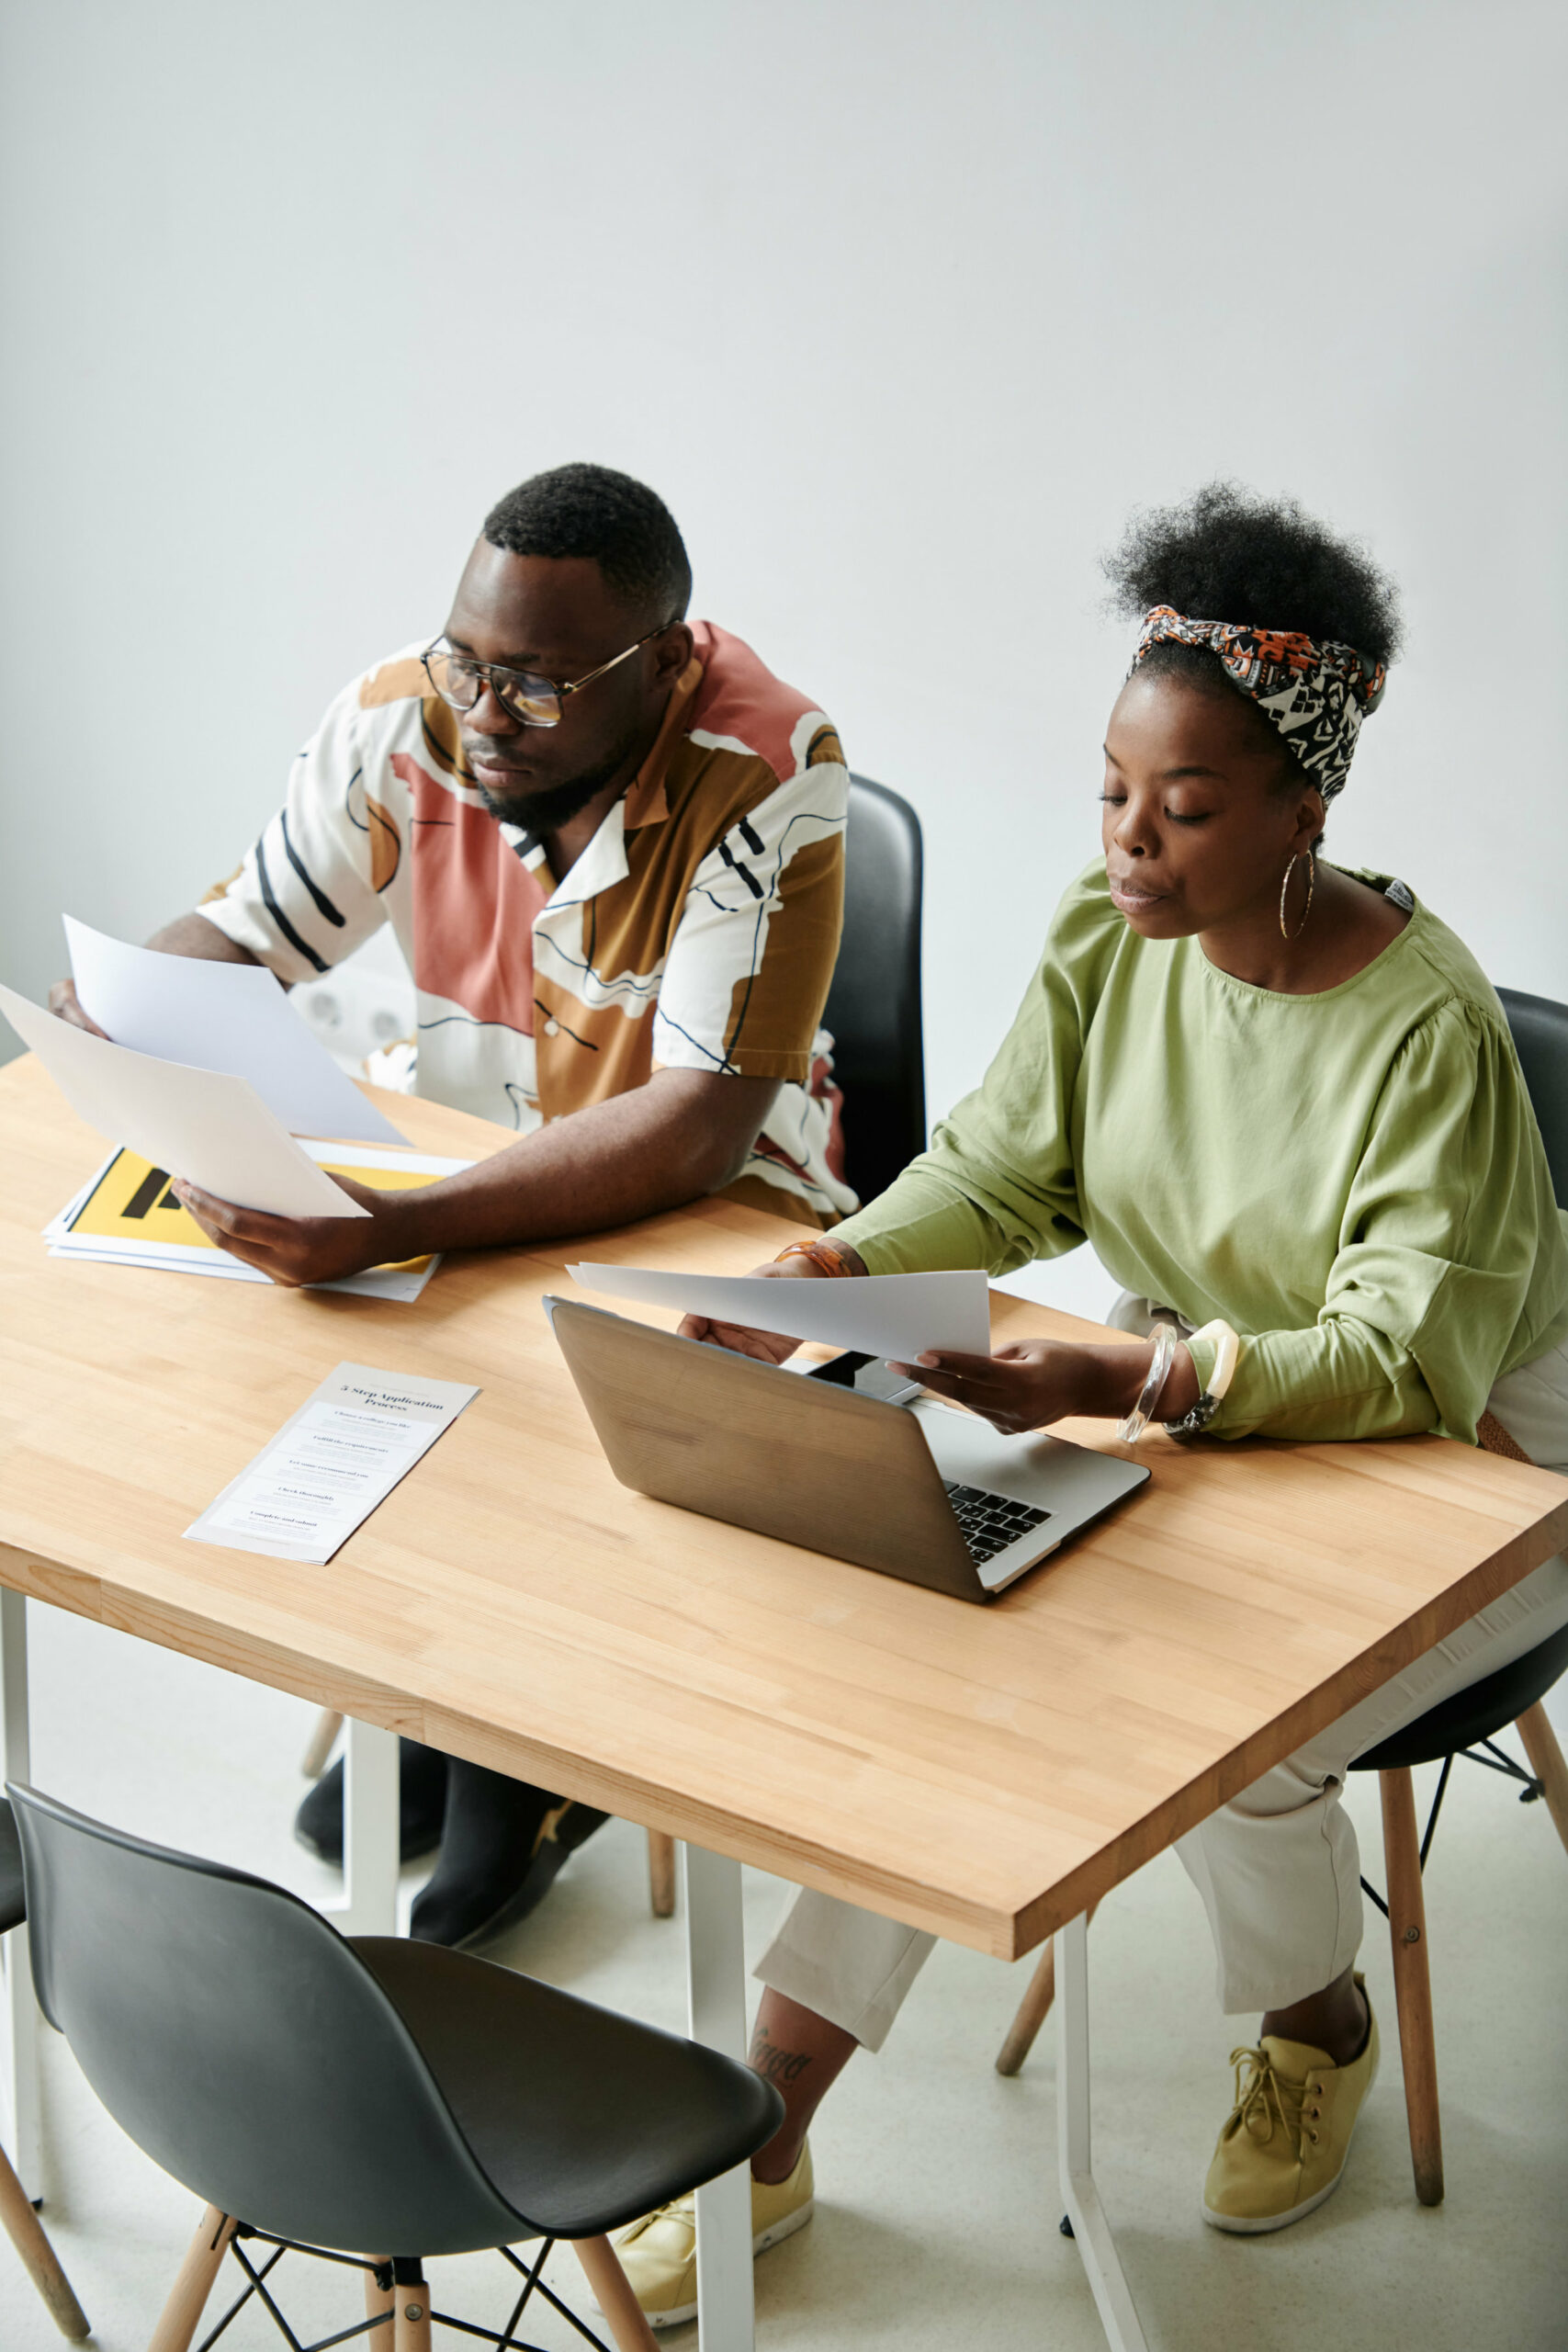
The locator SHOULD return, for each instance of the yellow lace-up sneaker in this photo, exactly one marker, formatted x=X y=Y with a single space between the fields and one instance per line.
x=1284 y=2146
x=658 y=2254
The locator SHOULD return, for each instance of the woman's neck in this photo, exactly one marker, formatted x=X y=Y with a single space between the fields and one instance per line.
x=1346 y=928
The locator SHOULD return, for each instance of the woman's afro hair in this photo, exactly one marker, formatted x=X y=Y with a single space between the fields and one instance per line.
x=1226 y=555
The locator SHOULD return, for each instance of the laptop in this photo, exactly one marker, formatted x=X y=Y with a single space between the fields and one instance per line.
x=848 y=1458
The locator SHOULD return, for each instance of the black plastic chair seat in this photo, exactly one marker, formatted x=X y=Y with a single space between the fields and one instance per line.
x=580 y=2118
x=1476 y=1713
x=372 y=2097
x=13 y=1901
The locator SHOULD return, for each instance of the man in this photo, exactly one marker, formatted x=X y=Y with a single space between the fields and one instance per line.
x=610 y=844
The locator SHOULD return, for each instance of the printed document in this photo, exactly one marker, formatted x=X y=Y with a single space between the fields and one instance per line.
x=127 y=1214
x=879 y=1315
x=329 y=1467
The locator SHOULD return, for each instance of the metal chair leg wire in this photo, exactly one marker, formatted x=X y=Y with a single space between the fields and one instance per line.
x=405 y=2276
x=257 y=2287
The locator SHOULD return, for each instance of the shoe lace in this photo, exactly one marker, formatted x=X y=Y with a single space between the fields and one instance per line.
x=679 y=2209
x=1267 y=2097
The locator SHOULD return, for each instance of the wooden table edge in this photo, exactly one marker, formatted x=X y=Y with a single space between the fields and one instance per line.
x=1001 y=1932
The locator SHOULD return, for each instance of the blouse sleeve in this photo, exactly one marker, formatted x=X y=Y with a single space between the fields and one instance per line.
x=998 y=1187
x=1436 y=1251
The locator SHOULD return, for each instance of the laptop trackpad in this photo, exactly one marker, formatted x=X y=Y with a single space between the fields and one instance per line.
x=1069 y=1481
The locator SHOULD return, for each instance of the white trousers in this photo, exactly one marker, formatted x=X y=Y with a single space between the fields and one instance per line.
x=1278 y=1868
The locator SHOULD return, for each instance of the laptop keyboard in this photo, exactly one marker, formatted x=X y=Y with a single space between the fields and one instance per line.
x=990 y=1522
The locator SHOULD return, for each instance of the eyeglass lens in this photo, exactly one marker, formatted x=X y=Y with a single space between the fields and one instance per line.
x=459 y=681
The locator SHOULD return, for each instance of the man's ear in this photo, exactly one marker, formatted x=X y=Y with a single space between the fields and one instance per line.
x=673 y=649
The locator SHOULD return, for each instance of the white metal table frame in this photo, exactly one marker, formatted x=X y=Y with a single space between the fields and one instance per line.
x=715 y=1977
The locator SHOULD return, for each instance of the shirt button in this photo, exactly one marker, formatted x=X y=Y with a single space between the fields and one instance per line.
x=552 y=1028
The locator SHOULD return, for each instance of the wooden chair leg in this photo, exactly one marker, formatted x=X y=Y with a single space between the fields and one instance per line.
x=187 y=2298
x=612 y=2288
x=1033 y=2010
x=411 y=2312
x=1412 y=1982
x=378 y=2301
x=1534 y=1728
x=661 y=1873
x=41 y=2263
x=313 y=1763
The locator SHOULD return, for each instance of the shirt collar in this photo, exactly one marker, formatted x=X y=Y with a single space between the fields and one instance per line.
x=645 y=802
x=603 y=862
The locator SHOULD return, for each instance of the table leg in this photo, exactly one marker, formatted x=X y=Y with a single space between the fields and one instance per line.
x=1080 y=2195
x=716 y=1979
x=20 y=2023
x=370 y=1839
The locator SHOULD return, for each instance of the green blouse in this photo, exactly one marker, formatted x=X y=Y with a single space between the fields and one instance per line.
x=1354 y=1181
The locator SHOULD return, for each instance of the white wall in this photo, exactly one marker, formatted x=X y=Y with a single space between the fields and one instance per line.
x=900 y=306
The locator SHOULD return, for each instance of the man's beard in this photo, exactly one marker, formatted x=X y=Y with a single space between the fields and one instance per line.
x=547 y=812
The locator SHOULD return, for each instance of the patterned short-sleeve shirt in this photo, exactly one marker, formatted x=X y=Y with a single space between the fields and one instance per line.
x=697 y=931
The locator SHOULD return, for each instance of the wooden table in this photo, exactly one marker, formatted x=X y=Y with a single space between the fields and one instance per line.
x=988 y=1773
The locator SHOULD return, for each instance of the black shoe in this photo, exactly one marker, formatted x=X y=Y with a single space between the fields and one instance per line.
x=422 y=1806
x=501 y=1847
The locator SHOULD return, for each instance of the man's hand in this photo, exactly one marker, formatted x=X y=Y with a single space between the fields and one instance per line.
x=65 y=1003
x=1032 y=1383
x=292 y=1250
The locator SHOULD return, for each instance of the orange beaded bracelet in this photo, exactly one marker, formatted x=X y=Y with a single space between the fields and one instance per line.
x=823 y=1253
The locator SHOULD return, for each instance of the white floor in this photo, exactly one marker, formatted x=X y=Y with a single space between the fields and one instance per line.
x=937 y=2217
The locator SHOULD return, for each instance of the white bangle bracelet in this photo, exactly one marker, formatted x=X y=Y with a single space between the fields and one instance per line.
x=1228 y=1350
x=1132 y=1428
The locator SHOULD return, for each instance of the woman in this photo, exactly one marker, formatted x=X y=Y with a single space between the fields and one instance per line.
x=1278 y=1097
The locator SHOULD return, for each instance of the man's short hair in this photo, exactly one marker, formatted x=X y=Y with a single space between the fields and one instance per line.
x=592 y=511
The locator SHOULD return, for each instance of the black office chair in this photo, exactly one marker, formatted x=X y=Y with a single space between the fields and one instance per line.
x=874 y=1005
x=367 y=2101
x=1466 y=1725
x=1462 y=1726
x=873 y=1016
x=21 y=2223
x=874 y=1019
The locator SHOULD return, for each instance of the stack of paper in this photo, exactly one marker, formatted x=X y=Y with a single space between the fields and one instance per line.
x=127 y=1216
x=208 y=1073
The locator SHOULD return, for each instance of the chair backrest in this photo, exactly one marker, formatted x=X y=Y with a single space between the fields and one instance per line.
x=874 y=1005
x=243 y=2045
x=13 y=1901
x=1540 y=1027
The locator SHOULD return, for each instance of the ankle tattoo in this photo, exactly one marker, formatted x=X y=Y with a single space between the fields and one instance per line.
x=781 y=2067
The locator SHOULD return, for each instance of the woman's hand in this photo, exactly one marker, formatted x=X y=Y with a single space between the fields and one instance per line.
x=768 y=1347
x=1022 y=1387
x=1032 y=1383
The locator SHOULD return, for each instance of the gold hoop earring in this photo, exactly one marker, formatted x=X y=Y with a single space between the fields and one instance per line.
x=1312 y=877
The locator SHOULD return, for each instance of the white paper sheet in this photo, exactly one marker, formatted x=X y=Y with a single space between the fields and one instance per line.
x=210 y=1128
x=331 y=1464
x=880 y=1315
x=228 y=1017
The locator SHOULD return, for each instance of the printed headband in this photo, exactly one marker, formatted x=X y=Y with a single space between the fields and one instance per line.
x=1317 y=695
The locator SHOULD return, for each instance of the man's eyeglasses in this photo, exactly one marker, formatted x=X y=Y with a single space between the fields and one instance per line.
x=459 y=681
